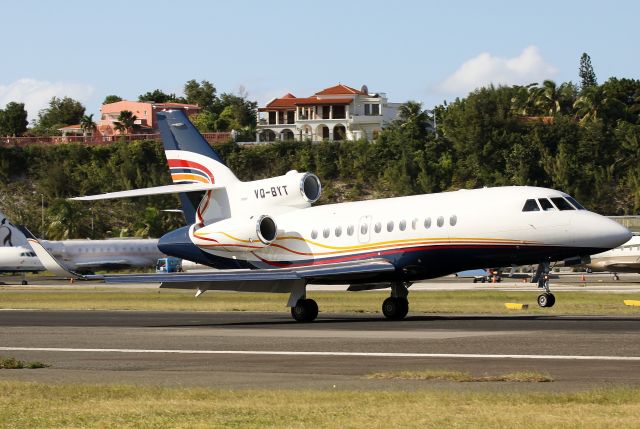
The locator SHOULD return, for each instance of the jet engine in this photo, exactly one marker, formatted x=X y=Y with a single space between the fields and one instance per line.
x=237 y=234
x=294 y=189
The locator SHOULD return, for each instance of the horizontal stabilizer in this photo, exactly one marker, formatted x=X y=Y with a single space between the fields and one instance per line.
x=157 y=190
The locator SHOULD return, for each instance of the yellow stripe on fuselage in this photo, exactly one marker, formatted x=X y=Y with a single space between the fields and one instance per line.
x=180 y=177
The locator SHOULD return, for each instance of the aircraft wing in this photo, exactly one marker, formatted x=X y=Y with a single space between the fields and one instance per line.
x=261 y=280
x=157 y=190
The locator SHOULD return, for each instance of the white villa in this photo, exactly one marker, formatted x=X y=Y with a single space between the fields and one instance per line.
x=335 y=113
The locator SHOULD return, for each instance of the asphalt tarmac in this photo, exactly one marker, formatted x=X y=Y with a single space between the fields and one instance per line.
x=269 y=350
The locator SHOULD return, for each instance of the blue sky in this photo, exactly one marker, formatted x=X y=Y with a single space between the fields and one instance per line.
x=422 y=50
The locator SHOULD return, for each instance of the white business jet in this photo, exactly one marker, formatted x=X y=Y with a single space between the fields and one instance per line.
x=266 y=235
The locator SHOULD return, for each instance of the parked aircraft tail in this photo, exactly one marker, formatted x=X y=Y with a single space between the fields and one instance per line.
x=10 y=235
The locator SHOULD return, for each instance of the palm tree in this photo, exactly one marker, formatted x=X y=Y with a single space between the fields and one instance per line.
x=411 y=114
x=87 y=125
x=126 y=121
x=547 y=98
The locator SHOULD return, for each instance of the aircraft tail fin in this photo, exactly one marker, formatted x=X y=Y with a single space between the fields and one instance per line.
x=10 y=234
x=191 y=159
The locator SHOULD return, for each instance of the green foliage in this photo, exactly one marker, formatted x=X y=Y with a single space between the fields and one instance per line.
x=61 y=112
x=586 y=73
x=203 y=94
x=13 y=120
x=158 y=96
x=111 y=99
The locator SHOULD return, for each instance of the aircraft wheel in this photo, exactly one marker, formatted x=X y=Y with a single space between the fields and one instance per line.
x=24 y=282
x=546 y=300
x=305 y=310
x=395 y=308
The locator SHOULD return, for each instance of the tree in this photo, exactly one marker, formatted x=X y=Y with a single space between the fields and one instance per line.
x=203 y=94
x=87 y=125
x=13 y=120
x=61 y=112
x=158 y=96
x=111 y=99
x=586 y=73
x=126 y=121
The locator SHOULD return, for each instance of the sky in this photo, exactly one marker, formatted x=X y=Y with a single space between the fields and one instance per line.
x=429 y=51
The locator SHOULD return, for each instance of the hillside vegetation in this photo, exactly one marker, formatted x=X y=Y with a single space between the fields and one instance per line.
x=585 y=142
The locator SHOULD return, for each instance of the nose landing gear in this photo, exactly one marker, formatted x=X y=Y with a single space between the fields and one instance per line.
x=547 y=299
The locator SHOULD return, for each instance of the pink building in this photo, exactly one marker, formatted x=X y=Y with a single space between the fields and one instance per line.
x=145 y=113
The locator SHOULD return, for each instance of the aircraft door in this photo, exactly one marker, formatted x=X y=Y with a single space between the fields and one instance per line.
x=364 y=229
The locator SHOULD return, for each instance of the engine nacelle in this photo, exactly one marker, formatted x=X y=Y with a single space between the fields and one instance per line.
x=294 y=189
x=237 y=234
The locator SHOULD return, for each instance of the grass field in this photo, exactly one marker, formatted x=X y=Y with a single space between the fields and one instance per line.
x=421 y=302
x=31 y=405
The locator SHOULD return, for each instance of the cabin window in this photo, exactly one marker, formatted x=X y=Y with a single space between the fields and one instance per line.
x=326 y=232
x=575 y=203
x=531 y=206
x=414 y=223
x=545 y=204
x=562 y=204
x=390 y=226
x=440 y=221
x=350 y=230
x=453 y=220
x=377 y=227
x=364 y=228
x=314 y=234
x=338 y=231
x=427 y=223
x=402 y=225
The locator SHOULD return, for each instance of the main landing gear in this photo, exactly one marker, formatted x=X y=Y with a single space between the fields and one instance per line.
x=305 y=310
x=396 y=306
x=547 y=299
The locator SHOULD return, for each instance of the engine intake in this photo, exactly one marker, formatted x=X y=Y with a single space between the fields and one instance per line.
x=236 y=234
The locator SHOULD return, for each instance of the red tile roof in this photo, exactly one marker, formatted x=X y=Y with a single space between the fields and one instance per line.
x=339 y=89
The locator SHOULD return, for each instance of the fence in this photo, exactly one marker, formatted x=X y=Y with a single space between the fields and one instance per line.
x=212 y=138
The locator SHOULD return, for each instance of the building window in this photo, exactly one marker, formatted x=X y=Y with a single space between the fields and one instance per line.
x=272 y=118
x=375 y=110
x=367 y=110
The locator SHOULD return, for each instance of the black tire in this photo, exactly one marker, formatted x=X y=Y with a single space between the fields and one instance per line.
x=552 y=300
x=546 y=300
x=395 y=308
x=305 y=310
x=24 y=282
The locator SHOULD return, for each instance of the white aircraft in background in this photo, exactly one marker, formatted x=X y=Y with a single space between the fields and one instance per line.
x=268 y=238
x=76 y=255
x=622 y=259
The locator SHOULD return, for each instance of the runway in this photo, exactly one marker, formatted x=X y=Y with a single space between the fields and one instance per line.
x=269 y=350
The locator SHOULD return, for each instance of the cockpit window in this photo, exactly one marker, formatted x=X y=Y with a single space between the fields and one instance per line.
x=562 y=204
x=531 y=206
x=545 y=204
x=575 y=203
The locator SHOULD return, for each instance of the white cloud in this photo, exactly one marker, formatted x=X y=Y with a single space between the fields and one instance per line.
x=35 y=94
x=486 y=69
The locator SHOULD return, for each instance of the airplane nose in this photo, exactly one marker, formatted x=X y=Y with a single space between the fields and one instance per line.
x=598 y=232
